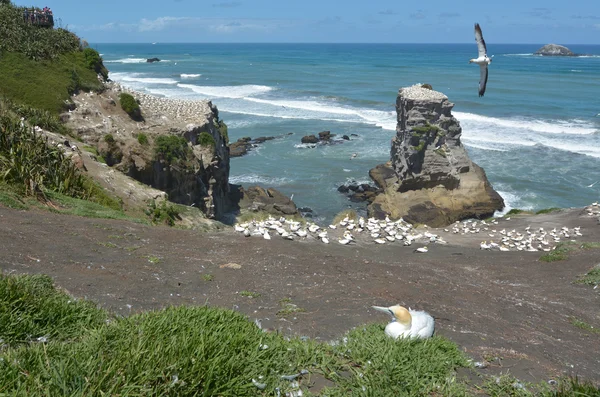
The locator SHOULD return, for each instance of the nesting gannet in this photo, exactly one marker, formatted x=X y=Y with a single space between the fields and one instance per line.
x=422 y=250
x=482 y=60
x=407 y=323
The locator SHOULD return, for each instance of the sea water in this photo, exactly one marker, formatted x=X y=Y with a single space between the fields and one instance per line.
x=535 y=132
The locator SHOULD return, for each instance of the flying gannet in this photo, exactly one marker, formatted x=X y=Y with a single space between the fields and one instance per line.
x=407 y=323
x=482 y=60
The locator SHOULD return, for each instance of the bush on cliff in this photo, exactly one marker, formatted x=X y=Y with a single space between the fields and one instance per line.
x=205 y=139
x=130 y=106
x=171 y=148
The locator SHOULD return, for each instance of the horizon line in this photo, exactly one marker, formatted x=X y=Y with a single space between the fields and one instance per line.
x=319 y=42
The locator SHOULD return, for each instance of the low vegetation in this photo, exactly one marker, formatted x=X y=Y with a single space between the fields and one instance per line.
x=563 y=250
x=56 y=345
x=340 y=216
x=205 y=139
x=163 y=212
x=27 y=161
x=130 y=106
x=142 y=139
x=592 y=277
x=171 y=148
x=223 y=131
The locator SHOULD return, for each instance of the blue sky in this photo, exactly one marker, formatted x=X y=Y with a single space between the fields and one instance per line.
x=381 y=21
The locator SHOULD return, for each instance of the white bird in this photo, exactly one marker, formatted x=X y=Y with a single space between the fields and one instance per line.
x=408 y=323
x=482 y=60
x=267 y=236
x=422 y=250
x=592 y=185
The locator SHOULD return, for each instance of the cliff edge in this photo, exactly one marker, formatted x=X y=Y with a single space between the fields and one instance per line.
x=430 y=178
x=179 y=147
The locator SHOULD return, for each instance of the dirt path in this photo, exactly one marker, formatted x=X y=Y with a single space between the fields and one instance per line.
x=507 y=305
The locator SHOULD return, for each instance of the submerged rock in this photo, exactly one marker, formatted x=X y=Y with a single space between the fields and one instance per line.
x=430 y=178
x=151 y=60
x=554 y=50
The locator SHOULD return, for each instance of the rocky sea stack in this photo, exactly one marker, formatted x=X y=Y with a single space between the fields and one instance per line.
x=554 y=50
x=430 y=178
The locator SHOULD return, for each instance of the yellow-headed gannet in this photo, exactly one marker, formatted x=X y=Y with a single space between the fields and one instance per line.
x=407 y=323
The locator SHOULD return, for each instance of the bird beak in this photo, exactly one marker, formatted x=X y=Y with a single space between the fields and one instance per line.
x=383 y=309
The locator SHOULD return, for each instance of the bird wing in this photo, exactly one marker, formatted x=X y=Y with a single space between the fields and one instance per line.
x=483 y=77
x=422 y=324
x=480 y=42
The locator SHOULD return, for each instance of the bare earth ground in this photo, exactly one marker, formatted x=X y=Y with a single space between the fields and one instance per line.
x=507 y=305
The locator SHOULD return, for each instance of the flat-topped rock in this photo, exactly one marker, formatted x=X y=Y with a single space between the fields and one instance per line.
x=418 y=93
x=555 y=50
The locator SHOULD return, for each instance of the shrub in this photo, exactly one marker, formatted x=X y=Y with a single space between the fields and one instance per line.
x=142 y=138
x=223 y=131
x=130 y=106
x=162 y=213
x=205 y=139
x=108 y=138
x=93 y=61
x=171 y=148
x=27 y=161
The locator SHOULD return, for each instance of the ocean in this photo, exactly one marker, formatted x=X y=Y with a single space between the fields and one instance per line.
x=535 y=132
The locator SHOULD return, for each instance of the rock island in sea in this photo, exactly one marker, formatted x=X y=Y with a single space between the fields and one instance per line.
x=430 y=178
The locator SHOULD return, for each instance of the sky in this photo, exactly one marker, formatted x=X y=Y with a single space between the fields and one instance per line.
x=328 y=21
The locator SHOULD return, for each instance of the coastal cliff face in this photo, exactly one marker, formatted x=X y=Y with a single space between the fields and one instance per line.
x=430 y=178
x=191 y=165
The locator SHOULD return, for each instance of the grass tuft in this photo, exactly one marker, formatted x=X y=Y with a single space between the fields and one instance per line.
x=31 y=308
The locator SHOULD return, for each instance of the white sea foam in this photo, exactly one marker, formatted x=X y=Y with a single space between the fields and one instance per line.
x=510 y=201
x=127 y=60
x=190 y=76
x=576 y=127
x=148 y=80
x=518 y=55
x=230 y=91
x=253 y=178
x=483 y=147
x=307 y=109
x=576 y=71
x=588 y=150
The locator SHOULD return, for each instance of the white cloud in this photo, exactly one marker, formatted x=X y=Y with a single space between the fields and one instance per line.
x=147 y=25
x=219 y=25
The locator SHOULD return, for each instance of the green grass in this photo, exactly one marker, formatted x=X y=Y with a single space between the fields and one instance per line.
x=204 y=351
x=547 y=210
x=207 y=351
x=562 y=250
x=30 y=308
x=45 y=85
x=153 y=259
x=592 y=277
x=250 y=294
x=584 y=326
x=208 y=277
